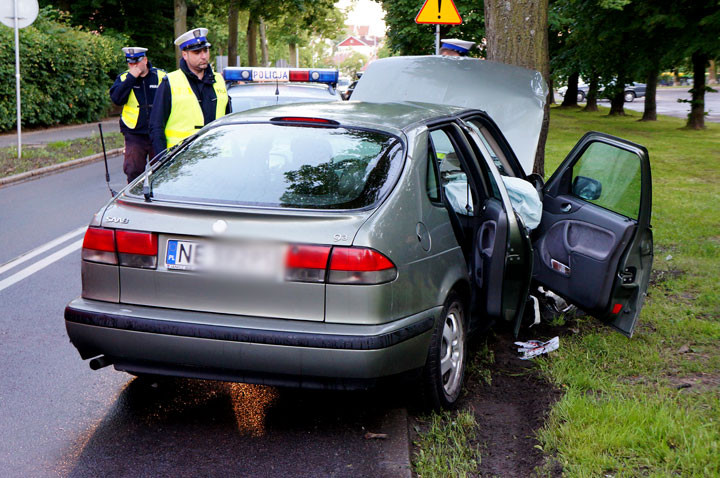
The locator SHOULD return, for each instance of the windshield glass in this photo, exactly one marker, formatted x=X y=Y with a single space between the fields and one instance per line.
x=242 y=103
x=281 y=166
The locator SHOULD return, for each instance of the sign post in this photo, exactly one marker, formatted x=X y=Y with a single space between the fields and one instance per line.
x=18 y=15
x=438 y=12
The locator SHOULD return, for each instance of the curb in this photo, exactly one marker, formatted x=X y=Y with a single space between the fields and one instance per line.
x=15 y=178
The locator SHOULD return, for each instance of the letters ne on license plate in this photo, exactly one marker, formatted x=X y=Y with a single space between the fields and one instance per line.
x=245 y=260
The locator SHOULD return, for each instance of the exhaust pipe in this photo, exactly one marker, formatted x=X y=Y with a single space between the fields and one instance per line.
x=99 y=362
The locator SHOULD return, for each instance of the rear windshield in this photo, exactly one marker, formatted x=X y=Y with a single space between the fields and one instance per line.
x=281 y=166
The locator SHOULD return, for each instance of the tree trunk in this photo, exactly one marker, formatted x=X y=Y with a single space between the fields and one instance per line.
x=233 y=10
x=263 y=44
x=696 y=118
x=591 y=99
x=650 y=110
x=180 y=25
x=252 y=41
x=617 y=104
x=676 y=77
x=551 y=87
x=572 y=91
x=293 y=55
x=518 y=35
x=712 y=73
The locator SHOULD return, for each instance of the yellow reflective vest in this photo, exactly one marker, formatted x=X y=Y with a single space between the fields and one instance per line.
x=131 y=110
x=186 y=116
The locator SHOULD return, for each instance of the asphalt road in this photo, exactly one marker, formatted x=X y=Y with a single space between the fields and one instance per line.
x=59 y=418
x=49 y=135
x=667 y=104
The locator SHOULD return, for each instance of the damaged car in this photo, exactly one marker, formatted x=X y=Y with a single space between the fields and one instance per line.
x=337 y=245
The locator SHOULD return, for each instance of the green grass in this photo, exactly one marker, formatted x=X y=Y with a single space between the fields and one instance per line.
x=628 y=410
x=53 y=153
x=444 y=446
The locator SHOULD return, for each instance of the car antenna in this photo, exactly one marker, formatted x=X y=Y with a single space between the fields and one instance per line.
x=107 y=172
x=147 y=192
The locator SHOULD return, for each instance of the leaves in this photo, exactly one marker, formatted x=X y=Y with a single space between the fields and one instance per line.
x=65 y=72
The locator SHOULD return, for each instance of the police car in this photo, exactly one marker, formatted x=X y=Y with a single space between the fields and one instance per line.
x=255 y=87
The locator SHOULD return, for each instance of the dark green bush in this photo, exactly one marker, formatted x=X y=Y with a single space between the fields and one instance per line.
x=65 y=72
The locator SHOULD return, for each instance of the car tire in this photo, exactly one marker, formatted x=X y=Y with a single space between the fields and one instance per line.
x=629 y=96
x=444 y=370
x=580 y=96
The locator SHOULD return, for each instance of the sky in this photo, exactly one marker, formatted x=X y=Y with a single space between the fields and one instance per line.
x=365 y=12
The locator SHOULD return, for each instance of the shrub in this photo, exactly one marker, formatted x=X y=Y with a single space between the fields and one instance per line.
x=66 y=72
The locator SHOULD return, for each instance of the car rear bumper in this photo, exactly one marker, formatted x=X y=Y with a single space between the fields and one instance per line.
x=247 y=349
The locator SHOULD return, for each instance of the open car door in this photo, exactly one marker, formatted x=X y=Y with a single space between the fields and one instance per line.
x=594 y=246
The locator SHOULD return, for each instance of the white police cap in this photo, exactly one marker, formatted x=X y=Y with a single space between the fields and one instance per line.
x=461 y=46
x=194 y=39
x=134 y=54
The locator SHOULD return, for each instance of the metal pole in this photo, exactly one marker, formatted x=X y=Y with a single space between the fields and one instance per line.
x=437 y=38
x=17 y=80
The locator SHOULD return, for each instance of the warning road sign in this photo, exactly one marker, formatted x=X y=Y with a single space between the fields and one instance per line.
x=441 y=12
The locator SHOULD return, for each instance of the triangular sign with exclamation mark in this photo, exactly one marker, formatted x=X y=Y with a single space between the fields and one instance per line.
x=443 y=12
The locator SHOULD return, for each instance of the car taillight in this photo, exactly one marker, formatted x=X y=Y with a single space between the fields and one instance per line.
x=126 y=248
x=358 y=265
x=99 y=246
x=306 y=263
x=137 y=249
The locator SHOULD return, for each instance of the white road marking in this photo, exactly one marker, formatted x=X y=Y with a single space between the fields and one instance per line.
x=39 y=250
x=41 y=264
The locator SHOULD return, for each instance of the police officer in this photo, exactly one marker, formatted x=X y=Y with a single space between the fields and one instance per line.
x=190 y=97
x=455 y=47
x=135 y=90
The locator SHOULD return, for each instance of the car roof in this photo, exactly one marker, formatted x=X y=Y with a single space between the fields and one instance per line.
x=389 y=117
x=300 y=90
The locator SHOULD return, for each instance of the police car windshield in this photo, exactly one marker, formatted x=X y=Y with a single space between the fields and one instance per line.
x=287 y=166
x=242 y=103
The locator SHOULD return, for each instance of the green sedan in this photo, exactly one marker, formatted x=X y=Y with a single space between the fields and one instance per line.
x=347 y=243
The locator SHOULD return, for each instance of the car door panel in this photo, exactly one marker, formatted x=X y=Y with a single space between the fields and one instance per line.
x=594 y=245
x=490 y=247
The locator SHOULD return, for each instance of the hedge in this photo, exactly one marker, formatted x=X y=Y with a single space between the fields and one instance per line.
x=65 y=72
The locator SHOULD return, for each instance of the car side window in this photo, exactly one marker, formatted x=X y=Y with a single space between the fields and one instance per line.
x=491 y=147
x=453 y=178
x=609 y=177
x=432 y=184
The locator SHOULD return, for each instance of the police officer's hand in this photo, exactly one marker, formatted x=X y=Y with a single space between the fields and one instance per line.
x=135 y=69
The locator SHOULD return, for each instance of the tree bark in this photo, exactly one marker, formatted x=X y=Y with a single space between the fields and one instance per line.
x=517 y=33
x=572 y=91
x=650 y=109
x=252 y=41
x=233 y=10
x=591 y=99
x=676 y=77
x=180 y=25
x=551 y=87
x=712 y=73
x=263 y=44
x=696 y=118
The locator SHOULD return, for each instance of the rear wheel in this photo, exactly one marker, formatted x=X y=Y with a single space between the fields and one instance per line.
x=445 y=366
x=580 y=96
x=629 y=96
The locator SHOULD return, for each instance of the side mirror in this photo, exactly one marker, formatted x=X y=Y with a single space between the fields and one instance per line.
x=586 y=188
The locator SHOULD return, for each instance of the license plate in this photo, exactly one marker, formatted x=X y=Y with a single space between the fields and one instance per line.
x=245 y=260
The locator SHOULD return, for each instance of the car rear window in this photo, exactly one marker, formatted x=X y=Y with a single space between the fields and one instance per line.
x=276 y=165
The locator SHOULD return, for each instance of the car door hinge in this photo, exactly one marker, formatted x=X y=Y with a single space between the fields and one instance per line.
x=628 y=275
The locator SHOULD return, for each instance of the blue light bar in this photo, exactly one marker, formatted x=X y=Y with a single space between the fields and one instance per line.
x=260 y=74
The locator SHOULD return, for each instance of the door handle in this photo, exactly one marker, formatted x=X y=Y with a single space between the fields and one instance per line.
x=566 y=207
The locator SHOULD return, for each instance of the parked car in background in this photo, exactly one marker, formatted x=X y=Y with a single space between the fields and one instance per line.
x=255 y=87
x=632 y=91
